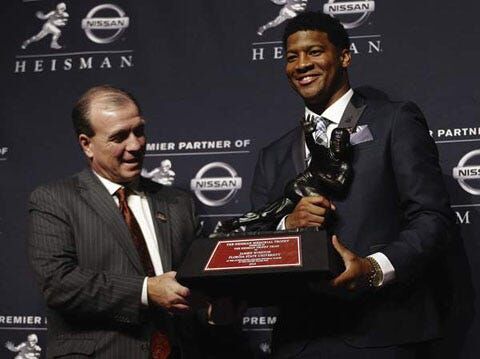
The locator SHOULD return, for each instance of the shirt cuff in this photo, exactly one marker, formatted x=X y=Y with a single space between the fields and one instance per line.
x=281 y=224
x=144 y=298
x=388 y=272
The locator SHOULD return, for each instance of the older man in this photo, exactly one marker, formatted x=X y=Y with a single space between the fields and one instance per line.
x=103 y=244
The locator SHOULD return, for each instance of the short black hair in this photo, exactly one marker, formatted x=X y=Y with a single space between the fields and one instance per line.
x=318 y=21
x=107 y=94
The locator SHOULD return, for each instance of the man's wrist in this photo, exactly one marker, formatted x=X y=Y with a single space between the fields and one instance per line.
x=386 y=266
x=144 y=297
x=375 y=276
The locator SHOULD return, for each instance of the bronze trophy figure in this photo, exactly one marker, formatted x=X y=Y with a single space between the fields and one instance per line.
x=328 y=173
x=245 y=251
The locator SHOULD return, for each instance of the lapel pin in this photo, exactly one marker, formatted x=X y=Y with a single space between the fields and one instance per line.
x=160 y=216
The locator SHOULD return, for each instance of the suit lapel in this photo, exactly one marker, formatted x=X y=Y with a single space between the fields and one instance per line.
x=352 y=113
x=98 y=198
x=161 y=218
x=298 y=151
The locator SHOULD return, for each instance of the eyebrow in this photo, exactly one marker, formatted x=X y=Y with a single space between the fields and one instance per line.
x=307 y=47
x=117 y=133
x=123 y=131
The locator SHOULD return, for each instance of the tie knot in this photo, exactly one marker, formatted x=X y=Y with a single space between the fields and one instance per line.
x=320 y=135
x=122 y=194
x=322 y=122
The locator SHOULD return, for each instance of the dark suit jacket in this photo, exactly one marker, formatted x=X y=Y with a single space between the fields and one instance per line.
x=396 y=204
x=90 y=272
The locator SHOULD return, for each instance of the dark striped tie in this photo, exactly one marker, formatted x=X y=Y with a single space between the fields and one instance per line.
x=159 y=344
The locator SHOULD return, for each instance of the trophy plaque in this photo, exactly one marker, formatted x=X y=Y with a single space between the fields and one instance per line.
x=259 y=265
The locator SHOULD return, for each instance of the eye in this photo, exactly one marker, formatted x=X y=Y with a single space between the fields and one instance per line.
x=139 y=131
x=119 y=137
x=315 y=52
x=291 y=57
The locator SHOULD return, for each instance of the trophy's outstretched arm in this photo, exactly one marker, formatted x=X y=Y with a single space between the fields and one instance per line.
x=328 y=173
x=267 y=216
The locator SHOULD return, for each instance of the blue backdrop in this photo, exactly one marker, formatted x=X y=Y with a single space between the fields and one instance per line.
x=213 y=91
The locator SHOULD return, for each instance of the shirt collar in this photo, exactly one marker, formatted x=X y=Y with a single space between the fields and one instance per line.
x=113 y=187
x=335 y=111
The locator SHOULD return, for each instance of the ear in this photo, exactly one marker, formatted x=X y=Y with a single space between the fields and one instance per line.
x=345 y=58
x=86 y=144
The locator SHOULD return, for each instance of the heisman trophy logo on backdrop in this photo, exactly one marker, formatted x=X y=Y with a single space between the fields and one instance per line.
x=163 y=174
x=101 y=25
x=352 y=15
x=28 y=349
x=291 y=8
x=54 y=20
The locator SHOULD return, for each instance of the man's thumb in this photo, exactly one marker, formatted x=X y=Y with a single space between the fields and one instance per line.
x=340 y=248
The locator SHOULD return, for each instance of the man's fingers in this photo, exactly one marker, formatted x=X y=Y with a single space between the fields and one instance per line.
x=344 y=252
x=179 y=308
x=305 y=219
x=182 y=291
x=310 y=211
x=344 y=279
x=170 y=274
x=356 y=270
x=177 y=299
x=340 y=280
x=337 y=245
x=313 y=219
x=317 y=200
x=314 y=209
x=174 y=286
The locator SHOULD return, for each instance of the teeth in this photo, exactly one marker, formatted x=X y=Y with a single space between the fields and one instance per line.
x=306 y=79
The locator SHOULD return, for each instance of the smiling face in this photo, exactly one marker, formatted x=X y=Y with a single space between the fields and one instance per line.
x=117 y=148
x=316 y=69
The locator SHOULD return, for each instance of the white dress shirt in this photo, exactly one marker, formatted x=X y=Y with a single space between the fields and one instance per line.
x=138 y=203
x=334 y=114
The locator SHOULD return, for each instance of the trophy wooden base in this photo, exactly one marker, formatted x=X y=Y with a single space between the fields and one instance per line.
x=260 y=266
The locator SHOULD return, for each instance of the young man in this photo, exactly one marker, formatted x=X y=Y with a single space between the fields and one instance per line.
x=391 y=228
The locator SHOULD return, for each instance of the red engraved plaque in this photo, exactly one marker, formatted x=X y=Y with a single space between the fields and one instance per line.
x=254 y=253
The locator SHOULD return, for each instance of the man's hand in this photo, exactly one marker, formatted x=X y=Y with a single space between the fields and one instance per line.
x=165 y=291
x=310 y=211
x=357 y=269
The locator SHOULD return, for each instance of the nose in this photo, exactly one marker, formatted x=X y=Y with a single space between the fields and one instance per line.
x=135 y=143
x=304 y=63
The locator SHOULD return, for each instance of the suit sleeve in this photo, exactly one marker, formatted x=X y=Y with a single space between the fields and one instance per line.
x=197 y=227
x=259 y=192
x=427 y=219
x=67 y=287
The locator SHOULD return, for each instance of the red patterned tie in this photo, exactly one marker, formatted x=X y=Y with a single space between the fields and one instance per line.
x=160 y=344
